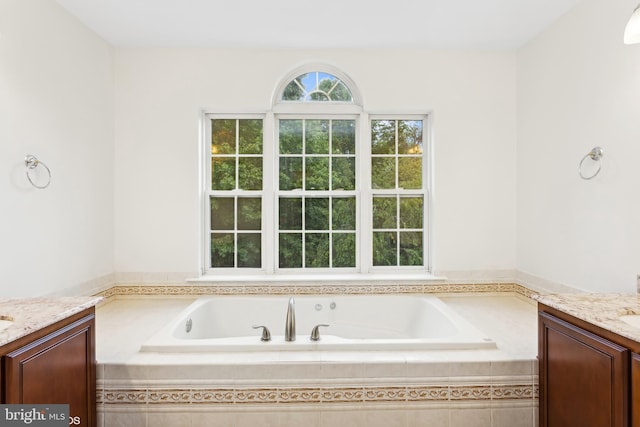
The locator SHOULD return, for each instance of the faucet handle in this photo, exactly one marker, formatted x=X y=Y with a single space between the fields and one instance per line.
x=315 y=332
x=266 y=335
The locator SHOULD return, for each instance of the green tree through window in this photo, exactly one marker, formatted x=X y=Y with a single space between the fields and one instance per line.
x=327 y=188
x=398 y=202
x=316 y=86
x=236 y=184
x=317 y=228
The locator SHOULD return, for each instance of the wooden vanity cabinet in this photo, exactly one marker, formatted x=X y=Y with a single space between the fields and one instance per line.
x=55 y=365
x=589 y=376
x=583 y=377
x=635 y=390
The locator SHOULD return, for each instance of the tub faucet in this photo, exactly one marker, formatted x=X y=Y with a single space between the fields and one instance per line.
x=290 y=325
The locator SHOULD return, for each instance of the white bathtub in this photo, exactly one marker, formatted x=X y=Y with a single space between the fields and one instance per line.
x=358 y=322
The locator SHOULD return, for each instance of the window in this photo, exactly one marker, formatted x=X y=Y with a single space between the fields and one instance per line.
x=398 y=200
x=235 y=197
x=316 y=185
x=316 y=86
x=316 y=193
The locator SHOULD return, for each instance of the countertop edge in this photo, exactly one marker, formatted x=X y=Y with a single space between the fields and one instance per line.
x=602 y=310
x=29 y=315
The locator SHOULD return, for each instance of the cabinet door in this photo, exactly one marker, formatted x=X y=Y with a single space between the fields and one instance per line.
x=584 y=379
x=58 y=368
x=635 y=390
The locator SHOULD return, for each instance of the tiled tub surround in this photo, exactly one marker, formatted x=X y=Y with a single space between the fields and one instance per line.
x=366 y=388
x=312 y=288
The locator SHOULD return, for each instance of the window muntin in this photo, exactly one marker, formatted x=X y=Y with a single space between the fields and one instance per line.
x=316 y=193
x=316 y=214
x=235 y=195
x=317 y=86
x=398 y=196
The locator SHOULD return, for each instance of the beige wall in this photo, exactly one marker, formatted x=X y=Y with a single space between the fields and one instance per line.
x=56 y=102
x=160 y=94
x=579 y=87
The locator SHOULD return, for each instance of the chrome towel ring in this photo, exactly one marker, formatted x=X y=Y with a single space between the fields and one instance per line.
x=596 y=155
x=31 y=163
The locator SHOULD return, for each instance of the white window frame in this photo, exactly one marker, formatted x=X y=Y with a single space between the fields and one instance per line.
x=327 y=193
x=425 y=191
x=208 y=193
x=364 y=269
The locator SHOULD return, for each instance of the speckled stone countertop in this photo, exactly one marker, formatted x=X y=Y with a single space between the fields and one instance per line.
x=603 y=310
x=31 y=314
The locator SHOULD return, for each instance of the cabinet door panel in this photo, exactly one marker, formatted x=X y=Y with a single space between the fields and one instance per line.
x=583 y=377
x=59 y=368
x=635 y=390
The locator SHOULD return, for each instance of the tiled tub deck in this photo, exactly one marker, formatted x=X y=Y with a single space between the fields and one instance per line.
x=465 y=388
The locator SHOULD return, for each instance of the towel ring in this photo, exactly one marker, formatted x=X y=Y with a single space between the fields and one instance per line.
x=596 y=155
x=31 y=162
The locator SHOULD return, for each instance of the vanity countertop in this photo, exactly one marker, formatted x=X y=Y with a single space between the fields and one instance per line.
x=28 y=315
x=603 y=310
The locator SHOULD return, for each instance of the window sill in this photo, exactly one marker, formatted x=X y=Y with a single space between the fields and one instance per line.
x=288 y=278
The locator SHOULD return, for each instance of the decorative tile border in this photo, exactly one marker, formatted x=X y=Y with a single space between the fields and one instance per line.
x=482 y=393
x=317 y=395
x=328 y=289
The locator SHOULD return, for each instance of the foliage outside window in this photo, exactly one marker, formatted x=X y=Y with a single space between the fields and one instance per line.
x=398 y=201
x=309 y=217
x=317 y=202
x=236 y=188
x=316 y=86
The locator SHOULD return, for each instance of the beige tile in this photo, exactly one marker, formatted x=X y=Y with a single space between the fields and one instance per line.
x=512 y=417
x=343 y=419
x=186 y=372
x=427 y=369
x=470 y=417
x=385 y=370
x=99 y=371
x=510 y=321
x=125 y=419
x=122 y=325
x=341 y=370
x=468 y=369
x=257 y=419
x=171 y=419
x=208 y=419
x=279 y=370
x=431 y=417
x=512 y=367
x=116 y=371
x=385 y=418
x=301 y=418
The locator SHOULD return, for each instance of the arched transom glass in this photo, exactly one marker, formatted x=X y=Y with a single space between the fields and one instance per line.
x=317 y=185
x=317 y=86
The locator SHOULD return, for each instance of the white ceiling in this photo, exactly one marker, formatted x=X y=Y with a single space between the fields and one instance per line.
x=450 y=24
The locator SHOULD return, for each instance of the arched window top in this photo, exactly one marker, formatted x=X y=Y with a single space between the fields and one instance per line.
x=317 y=86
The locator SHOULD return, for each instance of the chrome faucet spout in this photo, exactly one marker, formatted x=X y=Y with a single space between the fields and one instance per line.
x=290 y=325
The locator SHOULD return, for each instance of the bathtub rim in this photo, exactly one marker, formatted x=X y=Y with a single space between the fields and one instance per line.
x=163 y=341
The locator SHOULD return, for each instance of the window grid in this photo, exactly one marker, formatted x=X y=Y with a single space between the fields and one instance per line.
x=363 y=192
x=245 y=241
x=306 y=194
x=409 y=255
x=317 y=87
